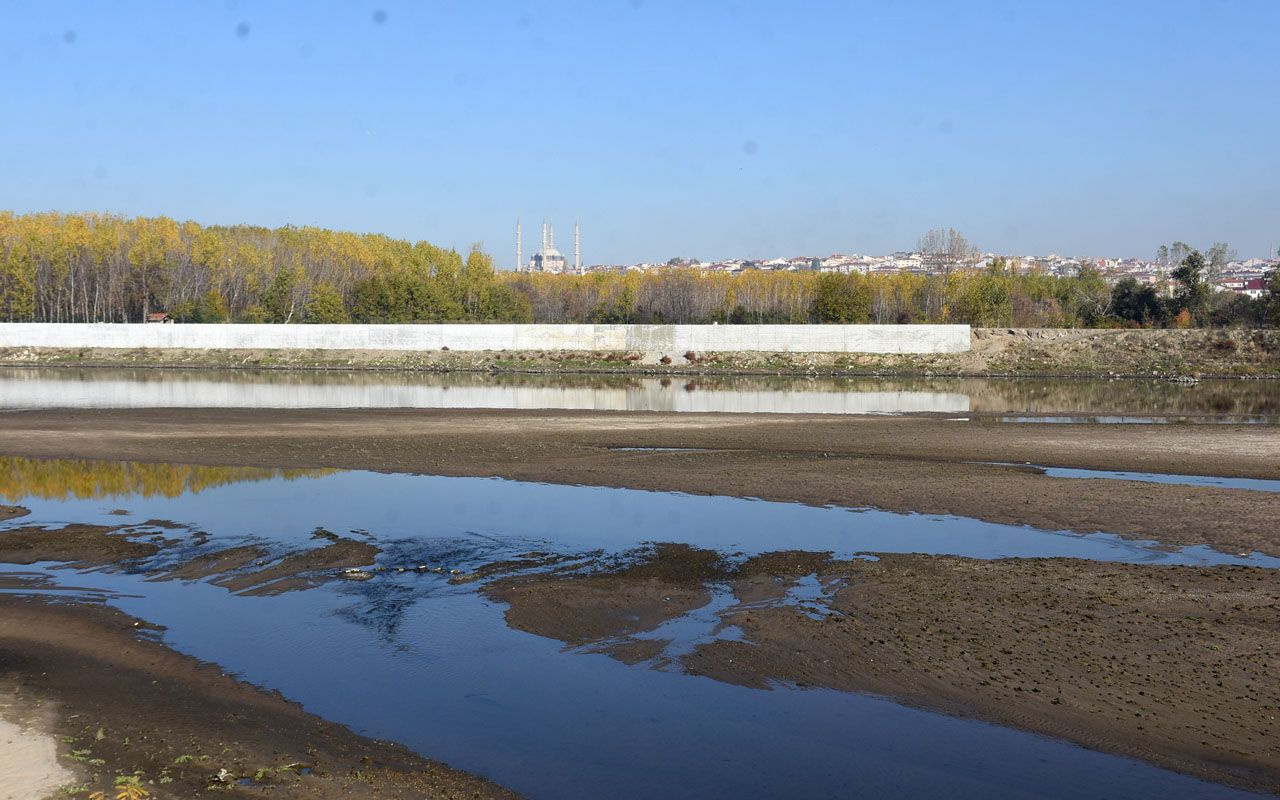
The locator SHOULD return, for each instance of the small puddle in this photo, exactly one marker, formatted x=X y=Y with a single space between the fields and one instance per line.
x=812 y=596
x=660 y=449
x=1251 y=484
x=682 y=635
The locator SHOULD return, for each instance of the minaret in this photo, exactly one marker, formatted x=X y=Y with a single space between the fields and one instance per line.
x=577 y=248
x=519 y=264
x=544 y=234
x=552 y=236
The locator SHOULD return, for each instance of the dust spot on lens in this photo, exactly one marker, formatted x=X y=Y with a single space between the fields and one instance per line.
x=750 y=147
x=69 y=37
x=379 y=16
x=242 y=30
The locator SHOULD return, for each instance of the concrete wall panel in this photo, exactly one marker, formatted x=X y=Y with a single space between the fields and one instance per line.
x=670 y=339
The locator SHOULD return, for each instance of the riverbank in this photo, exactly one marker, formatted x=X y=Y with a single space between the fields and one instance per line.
x=994 y=352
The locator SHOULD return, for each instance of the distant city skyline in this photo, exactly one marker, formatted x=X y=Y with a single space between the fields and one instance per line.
x=709 y=130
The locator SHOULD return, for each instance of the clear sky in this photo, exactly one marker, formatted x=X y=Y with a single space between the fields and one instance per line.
x=704 y=128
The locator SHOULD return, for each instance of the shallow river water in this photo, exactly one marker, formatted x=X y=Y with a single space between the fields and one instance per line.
x=1104 y=400
x=412 y=657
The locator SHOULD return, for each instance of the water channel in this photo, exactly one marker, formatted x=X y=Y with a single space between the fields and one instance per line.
x=414 y=655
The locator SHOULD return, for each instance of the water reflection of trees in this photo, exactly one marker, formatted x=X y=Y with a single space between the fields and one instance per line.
x=63 y=479
x=1147 y=397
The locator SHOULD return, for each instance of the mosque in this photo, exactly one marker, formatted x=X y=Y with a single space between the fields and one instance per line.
x=549 y=259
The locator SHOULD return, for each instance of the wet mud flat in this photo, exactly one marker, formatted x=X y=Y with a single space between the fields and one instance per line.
x=1174 y=665
x=571 y=648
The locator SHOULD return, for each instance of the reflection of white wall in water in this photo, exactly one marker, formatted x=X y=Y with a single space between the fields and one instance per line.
x=649 y=395
x=674 y=340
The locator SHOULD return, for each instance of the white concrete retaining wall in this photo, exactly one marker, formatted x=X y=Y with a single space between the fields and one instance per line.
x=672 y=339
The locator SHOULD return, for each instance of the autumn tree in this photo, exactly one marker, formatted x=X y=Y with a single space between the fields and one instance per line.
x=280 y=299
x=1135 y=302
x=841 y=298
x=1273 y=298
x=325 y=306
x=942 y=251
x=1218 y=257
x=1192 y=292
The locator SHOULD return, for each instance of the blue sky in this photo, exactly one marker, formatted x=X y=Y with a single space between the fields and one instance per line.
x=701 y=128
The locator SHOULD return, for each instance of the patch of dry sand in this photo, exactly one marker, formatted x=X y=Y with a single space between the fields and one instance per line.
x=29 y=765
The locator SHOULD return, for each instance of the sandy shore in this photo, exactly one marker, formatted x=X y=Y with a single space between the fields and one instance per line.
x=29 y=765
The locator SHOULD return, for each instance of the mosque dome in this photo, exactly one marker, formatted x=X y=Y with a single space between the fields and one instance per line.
x=549 y=259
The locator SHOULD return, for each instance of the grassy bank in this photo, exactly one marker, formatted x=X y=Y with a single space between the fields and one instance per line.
x=1002 y=351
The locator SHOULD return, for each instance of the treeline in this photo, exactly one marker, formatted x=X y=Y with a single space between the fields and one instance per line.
x=993 y=297
x=1193 y=302
x=106 y=268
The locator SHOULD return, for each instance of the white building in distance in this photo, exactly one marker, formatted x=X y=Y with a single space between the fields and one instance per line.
x=549 y=259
